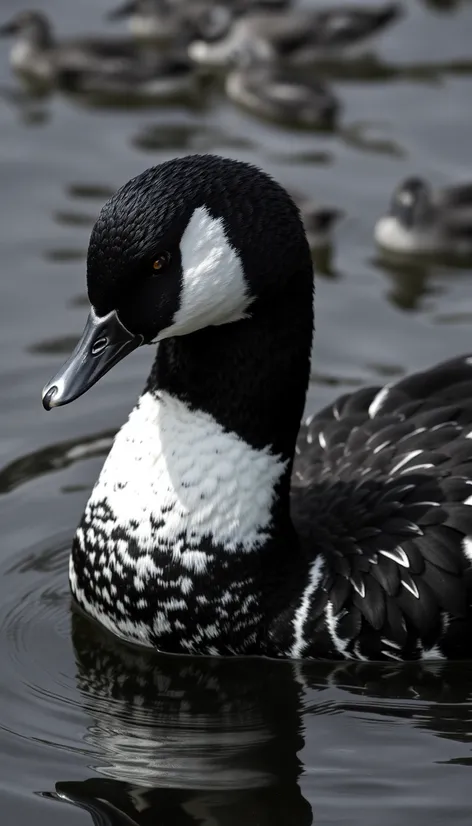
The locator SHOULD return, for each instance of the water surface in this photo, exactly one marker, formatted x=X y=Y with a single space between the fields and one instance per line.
x=92 y=731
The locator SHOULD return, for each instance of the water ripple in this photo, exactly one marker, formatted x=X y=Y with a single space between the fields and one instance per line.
x=52 y=458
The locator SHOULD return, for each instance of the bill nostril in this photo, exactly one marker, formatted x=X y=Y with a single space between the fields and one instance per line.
x=99 y=346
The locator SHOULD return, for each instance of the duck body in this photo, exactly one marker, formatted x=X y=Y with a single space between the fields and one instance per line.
x=31 y=53
x=151 y=79
x=383 y=571
x=423 y=221
x=164 y=20
x=38 y=56
x=148 y=19
x=278 y=94
x=161 y=21
x=217 y=525
x=297 y=37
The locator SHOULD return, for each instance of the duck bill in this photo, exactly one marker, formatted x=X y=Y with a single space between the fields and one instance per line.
x=8 y=29
x=104 y=342
x=124 y=10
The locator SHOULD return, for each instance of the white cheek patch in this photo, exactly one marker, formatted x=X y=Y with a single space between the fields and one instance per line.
x=214 y=290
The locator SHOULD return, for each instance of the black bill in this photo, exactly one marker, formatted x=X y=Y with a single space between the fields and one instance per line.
x=125 y=10
x=9 y=28
x=104 y=342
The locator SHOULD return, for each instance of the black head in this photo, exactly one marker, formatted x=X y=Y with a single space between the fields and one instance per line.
x=412 y=203
x=33 y=25
x=132 y=7
x=213 y=24
x=322 y=219
x=208 y=21
x=196 y=242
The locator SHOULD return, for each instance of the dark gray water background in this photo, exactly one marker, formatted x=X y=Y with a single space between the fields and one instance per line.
x=178 y=742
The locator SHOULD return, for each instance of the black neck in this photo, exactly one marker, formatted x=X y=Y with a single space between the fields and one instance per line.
x=41 y=36
x=251 y=375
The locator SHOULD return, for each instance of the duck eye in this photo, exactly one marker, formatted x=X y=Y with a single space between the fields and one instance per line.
x=161 y=261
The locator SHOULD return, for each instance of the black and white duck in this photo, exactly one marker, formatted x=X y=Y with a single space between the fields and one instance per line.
x=422 y=220
x=162 y=20
x=280 y=94
x=152 y=78
x=218 y=525
x=38 y=56
x=168 y=20
x=296 y=37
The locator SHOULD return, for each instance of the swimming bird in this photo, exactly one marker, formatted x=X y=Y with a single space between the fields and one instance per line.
x=421 y=220
x=318 y=221
x=218 y=525
x=168 y=20
x=152 y=78
x=178 y=20
x=38 y=56
x=298 y=36
x=281 y=95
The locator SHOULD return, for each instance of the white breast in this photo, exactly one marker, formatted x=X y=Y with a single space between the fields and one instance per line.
x=174 y=476
x=239 y=44
x=20 y=55
x=150 y=27
x=390 y=234
x=25 y=59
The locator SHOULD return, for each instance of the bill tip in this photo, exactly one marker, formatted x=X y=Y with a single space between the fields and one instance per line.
x=48 y=397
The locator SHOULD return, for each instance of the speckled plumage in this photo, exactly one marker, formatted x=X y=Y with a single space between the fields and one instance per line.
x=383 y=488
x=177 y=500
x=217 y=525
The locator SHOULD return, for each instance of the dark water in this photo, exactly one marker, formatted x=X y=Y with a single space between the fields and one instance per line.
x=132 y=739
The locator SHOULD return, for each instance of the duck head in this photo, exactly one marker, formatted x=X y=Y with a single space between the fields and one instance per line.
x=132 y=7
x=32 y=26
x=324 y=218
x=412 y=204
x=196 y=242
x=155 y=19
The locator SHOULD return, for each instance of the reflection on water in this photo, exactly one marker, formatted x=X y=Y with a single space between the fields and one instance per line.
x=54 y=346
x=414 y=281
x=323 y=260
x=362 y=136
x=143 y=738
x=309 y=156
x=192 y=741
x=63 y=255
x=187 y=136
x=95 y=191
x=410 y=282
x=53 y=458
x=187 y=741
x=29 y=108
x=75 y=219
x=220 y=725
